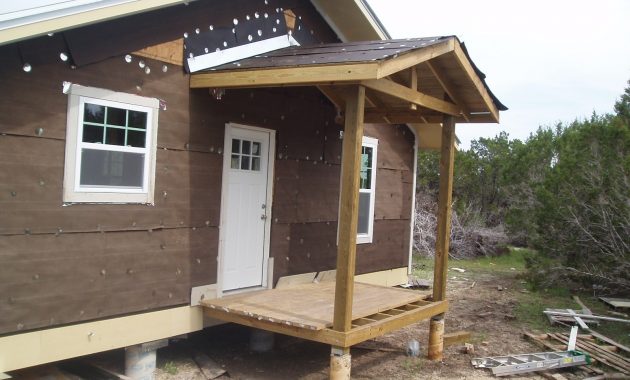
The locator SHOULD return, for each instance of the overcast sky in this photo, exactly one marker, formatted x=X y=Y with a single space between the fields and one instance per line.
x=548 y=61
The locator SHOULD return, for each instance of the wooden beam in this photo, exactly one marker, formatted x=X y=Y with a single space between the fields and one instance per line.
x=412 y=96
x=448 y=87
x=474 y=78
x=378 y=328
x=413 y=84
x=327 y=336
x=334 y=96
x=348 y=209
x=442 y=241
x=405 y=61
x=286 y=76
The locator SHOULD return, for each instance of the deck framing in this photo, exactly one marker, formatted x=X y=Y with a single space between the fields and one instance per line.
x=364 y=328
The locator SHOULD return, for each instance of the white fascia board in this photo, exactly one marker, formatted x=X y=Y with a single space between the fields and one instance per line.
x=22 y=22
x=13 y=14
x=221 y=57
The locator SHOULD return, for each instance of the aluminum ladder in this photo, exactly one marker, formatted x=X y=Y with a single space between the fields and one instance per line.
x=515 y=364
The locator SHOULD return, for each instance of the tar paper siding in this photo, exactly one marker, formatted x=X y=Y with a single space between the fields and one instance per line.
x=67 y=264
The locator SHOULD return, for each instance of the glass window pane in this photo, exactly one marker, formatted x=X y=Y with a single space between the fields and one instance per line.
x=92 y=134
x=244 y=161
x=246 y=146
x=256 y=164
x=235 y=161
x=115 y=136
x=116 y=116
x=364 y=213
x=136 y=138
x=137 y=119
x=105 y=168
x=236 y=146
x=256 y=149
x=365 y=176
x=93 y=113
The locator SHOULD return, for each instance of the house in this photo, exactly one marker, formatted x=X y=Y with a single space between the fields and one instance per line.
x=164 y=159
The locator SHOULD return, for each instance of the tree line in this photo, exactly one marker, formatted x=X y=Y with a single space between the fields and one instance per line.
x=564 y=191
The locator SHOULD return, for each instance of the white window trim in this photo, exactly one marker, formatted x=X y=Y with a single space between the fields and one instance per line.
x=371 y=143
x=72 y=192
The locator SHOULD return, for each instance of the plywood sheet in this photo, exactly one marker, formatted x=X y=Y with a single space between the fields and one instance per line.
x=623 y=303
x=171 y=52
x=310 y=306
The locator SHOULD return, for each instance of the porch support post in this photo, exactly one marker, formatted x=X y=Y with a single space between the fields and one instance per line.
x=348 y=219
x=348 y=208
x=447 y=160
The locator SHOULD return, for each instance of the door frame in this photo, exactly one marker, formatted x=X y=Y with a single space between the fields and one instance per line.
x=271 y=153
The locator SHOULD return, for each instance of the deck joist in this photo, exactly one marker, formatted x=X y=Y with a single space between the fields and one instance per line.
x=306 y=311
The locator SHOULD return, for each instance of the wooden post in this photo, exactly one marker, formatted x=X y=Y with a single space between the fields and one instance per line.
x=447 y=160
x=340 y=360
x=348 y=208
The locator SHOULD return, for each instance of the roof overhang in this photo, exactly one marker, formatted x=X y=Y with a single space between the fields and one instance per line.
x=28 y=23
x=352 y=20
x=407 y=81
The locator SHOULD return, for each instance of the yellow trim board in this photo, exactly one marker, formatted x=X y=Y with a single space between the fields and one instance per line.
x=391 y=277
x=45 y=346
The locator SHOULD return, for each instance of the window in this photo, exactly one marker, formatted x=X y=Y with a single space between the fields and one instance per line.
x=367 y=182
x=245 y=155
x=110 y=147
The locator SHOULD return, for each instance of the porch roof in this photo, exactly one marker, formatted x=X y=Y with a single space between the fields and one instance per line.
x=407 y=81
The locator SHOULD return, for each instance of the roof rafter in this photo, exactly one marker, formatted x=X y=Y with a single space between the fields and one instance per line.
x=412 y=96
x=416 y=57
x=474 y=78
x=448 y=87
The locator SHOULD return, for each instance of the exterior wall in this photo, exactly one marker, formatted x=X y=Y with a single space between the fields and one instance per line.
x=62 y=265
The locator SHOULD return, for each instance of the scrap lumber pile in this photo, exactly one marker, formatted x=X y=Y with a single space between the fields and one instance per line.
x=611 y=354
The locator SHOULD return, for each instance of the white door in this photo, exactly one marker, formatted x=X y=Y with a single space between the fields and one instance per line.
x=245 y=209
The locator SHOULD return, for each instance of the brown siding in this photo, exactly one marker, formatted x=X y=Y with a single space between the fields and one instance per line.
x=65 y=264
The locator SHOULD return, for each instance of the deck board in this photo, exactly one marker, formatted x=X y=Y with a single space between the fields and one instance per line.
x=310 y=306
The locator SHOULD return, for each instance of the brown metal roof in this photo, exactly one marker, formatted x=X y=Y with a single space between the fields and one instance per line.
x=348 y=52
x=415 y=80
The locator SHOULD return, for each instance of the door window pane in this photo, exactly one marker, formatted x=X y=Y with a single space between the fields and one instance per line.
x=244 y=162
x=256 y=164
x=246 y=146
x=235 y=161
x=256 y=149
x=236 y=146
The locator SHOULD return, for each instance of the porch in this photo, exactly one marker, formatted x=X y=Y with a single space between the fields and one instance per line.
x=306 y=311
x=429 y=84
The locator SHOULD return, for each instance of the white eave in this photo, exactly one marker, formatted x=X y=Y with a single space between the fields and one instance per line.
x=351 y=20
x=47 y=16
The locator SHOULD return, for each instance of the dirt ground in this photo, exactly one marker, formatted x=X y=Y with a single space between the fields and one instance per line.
x=481 y=309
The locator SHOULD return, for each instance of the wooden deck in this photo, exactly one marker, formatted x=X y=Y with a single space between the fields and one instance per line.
x=306 y=311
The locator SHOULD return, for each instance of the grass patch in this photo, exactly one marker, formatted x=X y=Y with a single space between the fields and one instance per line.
x=170 y=367
x=514 y=260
